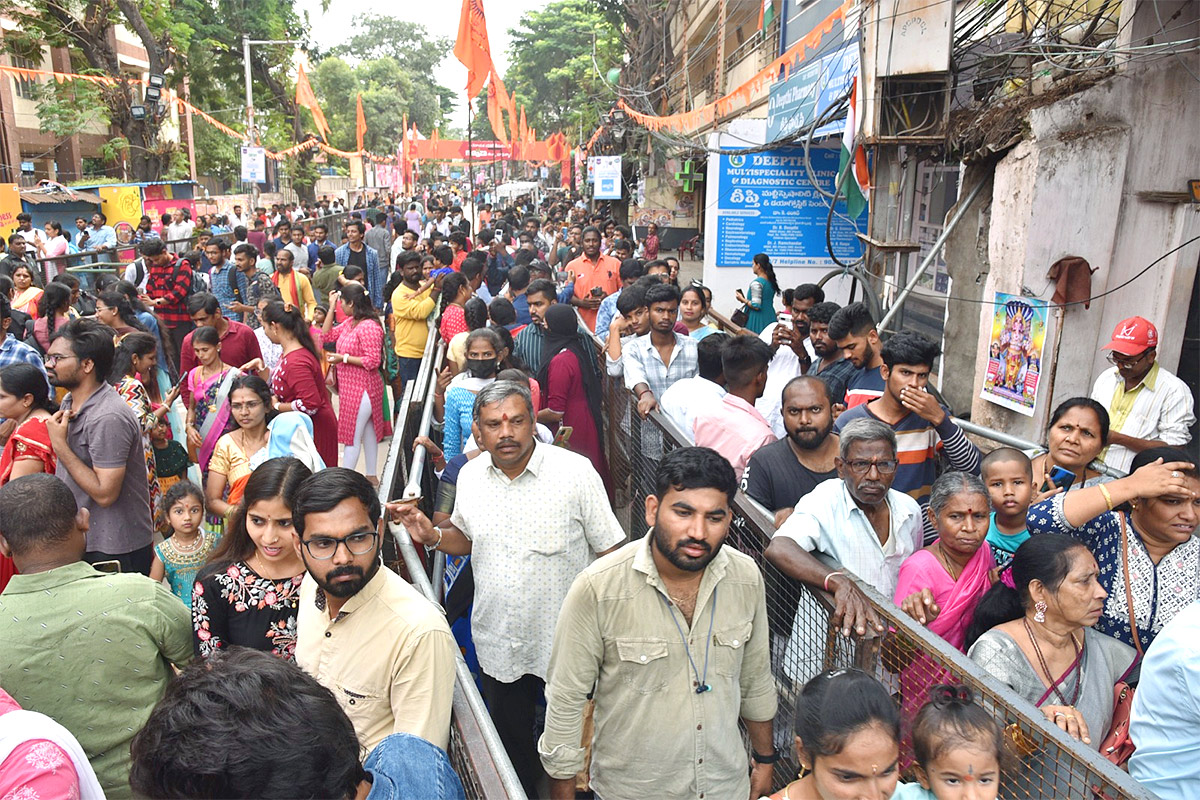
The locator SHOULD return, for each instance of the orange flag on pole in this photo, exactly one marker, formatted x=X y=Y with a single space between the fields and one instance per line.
x=471 y=46
x=308 y=99
x=360 y=124
x=523 y=136
x=512 y=114
x=497 y=98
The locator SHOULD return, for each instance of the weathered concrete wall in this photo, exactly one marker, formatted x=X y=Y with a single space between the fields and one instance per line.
x=1071 y=189
x=966 y=257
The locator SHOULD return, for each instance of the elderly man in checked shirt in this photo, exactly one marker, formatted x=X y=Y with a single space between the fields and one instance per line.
x=532 y=516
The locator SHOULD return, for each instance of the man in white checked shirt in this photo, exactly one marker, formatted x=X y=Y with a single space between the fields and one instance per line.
x=655 y=361
x=532 y=516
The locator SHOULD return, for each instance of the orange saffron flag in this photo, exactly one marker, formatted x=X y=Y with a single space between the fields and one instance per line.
x=523 y=136
x=471 y=46
x=360 y=124
x=512 y=114
x=308 y=99
x=494 y=108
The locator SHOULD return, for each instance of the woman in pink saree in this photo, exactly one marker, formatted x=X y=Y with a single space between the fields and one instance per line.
x=940 y=585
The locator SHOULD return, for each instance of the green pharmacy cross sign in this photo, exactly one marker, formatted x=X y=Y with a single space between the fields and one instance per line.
x=689 y=177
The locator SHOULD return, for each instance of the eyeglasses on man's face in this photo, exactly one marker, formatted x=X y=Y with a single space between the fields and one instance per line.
x=323 y=548
x=861 y=466
x=53 y=358
x=1126 y=363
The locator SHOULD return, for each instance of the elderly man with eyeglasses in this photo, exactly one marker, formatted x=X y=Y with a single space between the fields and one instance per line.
x=1147 y=406
x=364 y=632
x=857 y=519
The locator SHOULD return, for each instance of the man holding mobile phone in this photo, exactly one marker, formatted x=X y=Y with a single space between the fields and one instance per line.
x=596 y=277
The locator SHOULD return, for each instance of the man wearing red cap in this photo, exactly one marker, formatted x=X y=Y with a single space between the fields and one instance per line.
x=1147 y=406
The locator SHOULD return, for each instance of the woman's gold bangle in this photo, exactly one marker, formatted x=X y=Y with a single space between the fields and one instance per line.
x=1107 y=497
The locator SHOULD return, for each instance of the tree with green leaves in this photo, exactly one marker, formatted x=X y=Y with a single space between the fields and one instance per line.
x=88 y=28
x=557 y=58
x=216 y=64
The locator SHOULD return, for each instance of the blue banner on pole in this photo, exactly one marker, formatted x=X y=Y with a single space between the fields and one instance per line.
x=809 y=91
x=766 y=204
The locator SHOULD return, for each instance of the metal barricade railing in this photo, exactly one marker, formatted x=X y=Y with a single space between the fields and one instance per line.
x=476 y=751
x=104 y=261
x=907 y=658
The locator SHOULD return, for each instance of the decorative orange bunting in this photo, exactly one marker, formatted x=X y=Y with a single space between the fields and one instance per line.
x=555 y=148
x=722 y=107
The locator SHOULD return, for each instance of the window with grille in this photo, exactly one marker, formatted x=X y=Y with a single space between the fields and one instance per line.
x=24 y=87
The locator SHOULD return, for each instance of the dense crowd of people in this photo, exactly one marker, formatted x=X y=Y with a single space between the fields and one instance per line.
x=194 y=599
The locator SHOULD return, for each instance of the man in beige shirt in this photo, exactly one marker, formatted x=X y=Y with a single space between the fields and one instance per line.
x=671 y=631
x=369 y=637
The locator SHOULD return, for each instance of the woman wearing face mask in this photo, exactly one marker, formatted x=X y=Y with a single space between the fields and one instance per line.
x=484 y=352
x=249 y=591
x=359 y=343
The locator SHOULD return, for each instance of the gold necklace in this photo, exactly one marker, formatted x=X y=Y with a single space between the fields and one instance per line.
x=946 y=562
x=191 y=549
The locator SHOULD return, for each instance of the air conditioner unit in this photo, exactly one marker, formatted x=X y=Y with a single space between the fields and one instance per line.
x=906 y=70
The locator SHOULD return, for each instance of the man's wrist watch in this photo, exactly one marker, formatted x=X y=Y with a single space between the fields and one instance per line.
x=761 y=759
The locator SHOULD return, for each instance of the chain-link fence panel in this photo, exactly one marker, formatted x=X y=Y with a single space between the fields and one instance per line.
x=907 y=659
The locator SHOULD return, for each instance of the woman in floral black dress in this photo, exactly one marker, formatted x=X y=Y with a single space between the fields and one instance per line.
x=249 y=592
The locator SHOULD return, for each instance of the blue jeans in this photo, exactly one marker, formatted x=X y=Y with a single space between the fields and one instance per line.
x=406 y=766
x=409 y=367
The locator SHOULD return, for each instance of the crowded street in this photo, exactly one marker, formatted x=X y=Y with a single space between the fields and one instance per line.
x=689 y=399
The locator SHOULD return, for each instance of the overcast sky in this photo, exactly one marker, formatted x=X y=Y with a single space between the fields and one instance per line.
x=440 y=18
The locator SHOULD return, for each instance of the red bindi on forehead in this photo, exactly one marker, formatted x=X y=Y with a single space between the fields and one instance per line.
x=504 y=417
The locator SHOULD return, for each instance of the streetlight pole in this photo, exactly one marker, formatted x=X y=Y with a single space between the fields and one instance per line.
x=251 y=129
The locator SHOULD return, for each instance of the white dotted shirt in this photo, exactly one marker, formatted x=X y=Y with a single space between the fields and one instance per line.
x=530 y=537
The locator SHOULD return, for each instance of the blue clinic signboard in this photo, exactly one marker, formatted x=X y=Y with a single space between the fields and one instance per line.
x=766 y=204
x=809 y=90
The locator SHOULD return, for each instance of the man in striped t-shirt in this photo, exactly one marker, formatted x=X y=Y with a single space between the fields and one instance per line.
x=923 y=427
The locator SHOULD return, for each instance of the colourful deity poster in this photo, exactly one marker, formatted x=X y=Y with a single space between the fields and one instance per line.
x=1014 y=364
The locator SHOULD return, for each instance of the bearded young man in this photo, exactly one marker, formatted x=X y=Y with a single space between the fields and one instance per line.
x=364 y=632
x=669 y=634
x=784 y=471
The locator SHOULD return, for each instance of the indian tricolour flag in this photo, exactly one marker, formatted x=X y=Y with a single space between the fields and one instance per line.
x=855 y=186
x=766 y=14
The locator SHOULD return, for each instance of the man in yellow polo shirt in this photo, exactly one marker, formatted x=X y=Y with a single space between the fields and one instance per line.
x=412 y=303
x=294 y=287
x=1147 y=406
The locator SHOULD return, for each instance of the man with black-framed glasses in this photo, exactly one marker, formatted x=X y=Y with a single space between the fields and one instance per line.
x=1147 y=406
x=859 y=520
x=368 y=636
